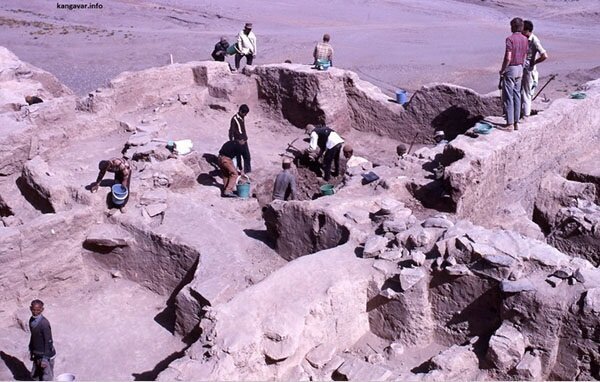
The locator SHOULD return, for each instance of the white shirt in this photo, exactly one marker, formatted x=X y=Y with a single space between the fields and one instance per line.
x=247 y=43
x=355 y=161
x=535 y=48
x=332 y=140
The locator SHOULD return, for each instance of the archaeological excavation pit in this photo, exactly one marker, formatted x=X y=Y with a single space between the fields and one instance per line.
x=486 y=270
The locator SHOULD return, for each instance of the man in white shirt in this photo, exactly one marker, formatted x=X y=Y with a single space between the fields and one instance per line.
x=327 y=141
x=530 y=73
x=246 y=46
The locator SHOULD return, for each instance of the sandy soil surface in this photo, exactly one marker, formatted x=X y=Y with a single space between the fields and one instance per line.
x=124 y=316
x=394 y=44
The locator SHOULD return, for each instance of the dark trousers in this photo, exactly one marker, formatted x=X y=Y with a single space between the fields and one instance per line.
x=246 y=157
x=238 y=59
x=331 y=155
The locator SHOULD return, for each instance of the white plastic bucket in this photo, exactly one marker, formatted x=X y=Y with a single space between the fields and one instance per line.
x=65 y=377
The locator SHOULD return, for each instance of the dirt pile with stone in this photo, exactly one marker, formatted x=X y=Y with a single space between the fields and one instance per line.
x=475 y=259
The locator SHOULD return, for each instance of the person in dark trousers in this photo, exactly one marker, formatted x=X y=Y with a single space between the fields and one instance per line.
x=230 y=150
x=41 y=346
x=237 y=131
x=285 y=182
x=246 y=46
x=328 y=142
x=220 y=50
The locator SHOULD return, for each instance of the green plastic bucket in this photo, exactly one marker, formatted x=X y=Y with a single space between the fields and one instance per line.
x=243 y=189
x=327 y=189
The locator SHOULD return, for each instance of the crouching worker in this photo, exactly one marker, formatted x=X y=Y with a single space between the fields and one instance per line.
x=122 y=170
x=230 y=150
x=285 y=182
x=328 y=142
x=353 y=160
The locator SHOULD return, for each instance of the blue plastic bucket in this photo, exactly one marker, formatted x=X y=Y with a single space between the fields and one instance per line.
x=243 y=189
x=327 y=189
x=119 y=194
x=483 y=128
x=401 y=96
x=232 y=49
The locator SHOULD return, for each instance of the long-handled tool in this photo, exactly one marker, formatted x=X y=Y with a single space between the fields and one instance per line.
x=291 y=145
x=291 y=151
x=412 y=143
x=542 y=88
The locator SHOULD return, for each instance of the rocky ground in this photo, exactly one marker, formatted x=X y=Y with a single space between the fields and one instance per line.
x=475 y=259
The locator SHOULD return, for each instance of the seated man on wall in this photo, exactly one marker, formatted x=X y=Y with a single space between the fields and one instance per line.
x=323 y=53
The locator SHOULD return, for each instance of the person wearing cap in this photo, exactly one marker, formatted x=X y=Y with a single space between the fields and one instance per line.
x=220 y=50
x=284 y=187
x=229 y=150
x=351 y=159
x=328 y=142
x=323 y=53
x=246 y=46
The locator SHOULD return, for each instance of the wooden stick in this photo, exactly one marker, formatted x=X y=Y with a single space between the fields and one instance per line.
x=412 y=143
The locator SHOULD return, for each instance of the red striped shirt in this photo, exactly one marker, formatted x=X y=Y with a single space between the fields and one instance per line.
x=517 y=44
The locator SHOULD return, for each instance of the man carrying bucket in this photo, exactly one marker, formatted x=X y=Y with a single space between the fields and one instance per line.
x=122 y=170
x=230 y=150
x=41 y=345
x=328 y=142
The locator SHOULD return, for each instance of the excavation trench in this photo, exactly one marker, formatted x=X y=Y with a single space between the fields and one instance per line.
x=155 y=262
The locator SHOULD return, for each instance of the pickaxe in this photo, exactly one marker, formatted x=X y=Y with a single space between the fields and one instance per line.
x=546 y=84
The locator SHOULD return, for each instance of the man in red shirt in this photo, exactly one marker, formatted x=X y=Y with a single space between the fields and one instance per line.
x=511 y=72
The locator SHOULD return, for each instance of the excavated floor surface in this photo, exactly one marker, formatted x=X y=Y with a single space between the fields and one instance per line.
x=199 y=291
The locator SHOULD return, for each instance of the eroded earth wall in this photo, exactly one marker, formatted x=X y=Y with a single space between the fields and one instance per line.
x=501 y=168
x=340 y=99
